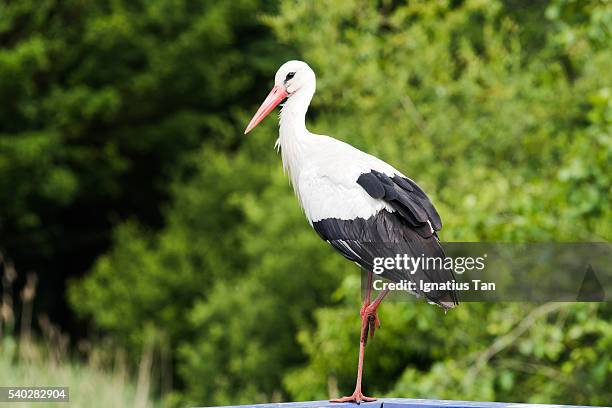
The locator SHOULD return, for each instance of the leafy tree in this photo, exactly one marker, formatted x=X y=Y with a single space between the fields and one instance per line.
x=101 y=103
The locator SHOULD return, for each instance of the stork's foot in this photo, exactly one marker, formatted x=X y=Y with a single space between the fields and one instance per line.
x=369 y=313
x=357 y=398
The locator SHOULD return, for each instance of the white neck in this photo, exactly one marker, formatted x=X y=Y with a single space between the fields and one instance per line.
x=293 y=135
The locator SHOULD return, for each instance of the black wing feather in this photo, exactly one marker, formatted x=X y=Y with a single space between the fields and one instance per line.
x=371 y=184
x=385 y=235
x=406 y=197
x=409 y=230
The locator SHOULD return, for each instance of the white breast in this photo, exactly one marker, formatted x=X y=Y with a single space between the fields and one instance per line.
x=326 y=180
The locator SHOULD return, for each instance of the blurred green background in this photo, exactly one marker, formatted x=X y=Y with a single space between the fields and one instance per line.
x=153 y=255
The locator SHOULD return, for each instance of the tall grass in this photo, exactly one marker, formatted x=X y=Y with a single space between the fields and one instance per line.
x=44 y=360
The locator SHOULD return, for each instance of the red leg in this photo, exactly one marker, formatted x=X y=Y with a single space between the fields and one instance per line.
x=366 y=302
x=372 y=315
x=368 y=293
x=369 y=320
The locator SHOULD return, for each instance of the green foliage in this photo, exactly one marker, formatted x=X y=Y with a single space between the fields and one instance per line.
x=504 y=133
x=101 y=102
x=89 y=385
x=501 y=110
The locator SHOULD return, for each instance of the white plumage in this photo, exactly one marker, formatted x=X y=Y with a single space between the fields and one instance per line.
x=325 y=183
x=323 y=170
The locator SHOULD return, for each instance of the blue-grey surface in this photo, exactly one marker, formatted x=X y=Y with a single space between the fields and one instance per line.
x=405 y=403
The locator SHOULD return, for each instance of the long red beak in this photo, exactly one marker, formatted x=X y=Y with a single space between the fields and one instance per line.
x=276 y=95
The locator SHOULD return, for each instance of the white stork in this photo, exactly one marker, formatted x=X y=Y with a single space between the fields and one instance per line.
x=359 y=204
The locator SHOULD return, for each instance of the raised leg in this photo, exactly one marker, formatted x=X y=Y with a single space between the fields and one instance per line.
x=369 y=320
x=374 y=321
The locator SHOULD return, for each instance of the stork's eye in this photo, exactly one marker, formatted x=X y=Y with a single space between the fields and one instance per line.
x=289 y=76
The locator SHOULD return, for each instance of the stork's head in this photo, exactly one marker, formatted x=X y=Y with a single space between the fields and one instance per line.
x=293 y=78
